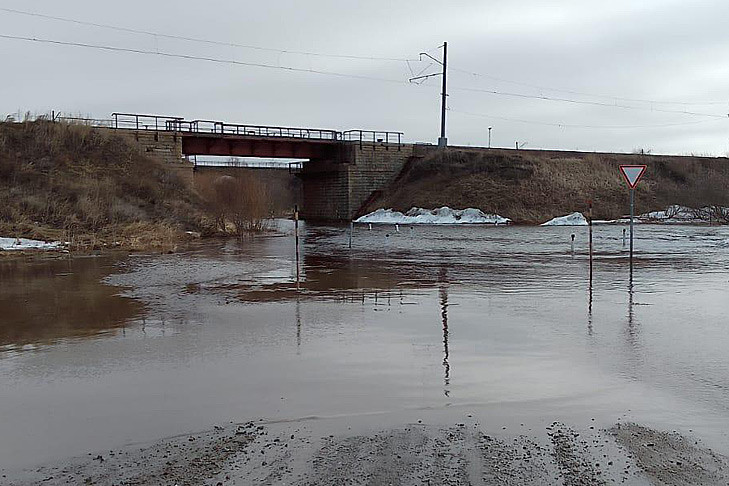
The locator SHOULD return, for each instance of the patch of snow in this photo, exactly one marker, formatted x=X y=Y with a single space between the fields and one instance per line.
x=574 y=219
x=677 y=214
x=674 y=213
x=614 y=221
x=444 y=215
x=25 y=244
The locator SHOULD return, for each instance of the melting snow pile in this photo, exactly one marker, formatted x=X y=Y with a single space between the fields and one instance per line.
x=25 y=244
x=574 y=219
x=444 y=215
x=681 y=214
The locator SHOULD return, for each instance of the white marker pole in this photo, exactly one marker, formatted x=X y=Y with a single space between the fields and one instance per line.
x=351 y=230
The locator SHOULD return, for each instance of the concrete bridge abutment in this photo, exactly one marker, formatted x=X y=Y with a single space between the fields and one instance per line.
x=336 y=190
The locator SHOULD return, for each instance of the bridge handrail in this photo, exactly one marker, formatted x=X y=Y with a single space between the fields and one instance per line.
x=137 y=121
x=216 y=127
x=373 y=136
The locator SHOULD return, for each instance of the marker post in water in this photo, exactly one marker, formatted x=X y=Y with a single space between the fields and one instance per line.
x=296 y=236
x=632 y=175
x=589 y=223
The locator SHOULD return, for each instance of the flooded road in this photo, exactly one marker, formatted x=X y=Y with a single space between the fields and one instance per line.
x=499 y=324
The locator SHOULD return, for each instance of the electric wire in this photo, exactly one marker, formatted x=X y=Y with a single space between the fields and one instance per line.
x=582 y=93
x=585 y=102
x=343 y=75
x=357 y=57
x=577 y=126
x=199 y=58
x=201 y=40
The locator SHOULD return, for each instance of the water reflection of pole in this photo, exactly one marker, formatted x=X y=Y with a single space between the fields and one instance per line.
x=589 y=307
x=631 y=316
x=298 y=323
x=444 y=318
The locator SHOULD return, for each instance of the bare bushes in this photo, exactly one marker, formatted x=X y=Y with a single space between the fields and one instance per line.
x=239 y=204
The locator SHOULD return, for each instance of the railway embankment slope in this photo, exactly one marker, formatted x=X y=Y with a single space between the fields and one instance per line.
x=532 y=186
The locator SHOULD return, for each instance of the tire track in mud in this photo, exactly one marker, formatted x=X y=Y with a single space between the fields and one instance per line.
x=415 y=454
x=576 y=464
x=670 y=458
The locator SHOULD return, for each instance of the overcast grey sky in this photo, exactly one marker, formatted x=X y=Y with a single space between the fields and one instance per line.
x=592 y=53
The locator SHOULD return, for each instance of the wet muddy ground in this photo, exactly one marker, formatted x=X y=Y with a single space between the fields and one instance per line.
x=450 y=355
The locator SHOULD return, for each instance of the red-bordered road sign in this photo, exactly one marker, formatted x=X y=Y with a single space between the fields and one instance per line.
x=633 y=174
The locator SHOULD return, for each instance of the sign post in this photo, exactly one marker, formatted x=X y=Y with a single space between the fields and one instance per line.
x=589 y=222
x=296 y=235
x=632 y=175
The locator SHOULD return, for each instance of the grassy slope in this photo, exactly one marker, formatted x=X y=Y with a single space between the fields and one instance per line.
x=532 y=186
x=88 y=186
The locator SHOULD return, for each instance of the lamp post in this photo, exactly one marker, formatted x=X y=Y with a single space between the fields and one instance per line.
x=490 y=136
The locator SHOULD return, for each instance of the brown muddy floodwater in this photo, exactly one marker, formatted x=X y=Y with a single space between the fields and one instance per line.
x=434 y=323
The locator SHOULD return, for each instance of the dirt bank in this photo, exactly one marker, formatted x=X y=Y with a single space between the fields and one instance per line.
x=89 y=187
x=414 y=454
x=534 y=186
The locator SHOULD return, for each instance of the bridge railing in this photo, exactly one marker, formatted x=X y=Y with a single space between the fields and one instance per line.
x=372 y=136
x=221 y=128
x=135 y=121
x=293 y=166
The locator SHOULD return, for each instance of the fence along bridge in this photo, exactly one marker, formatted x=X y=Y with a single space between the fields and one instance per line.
x=208 y=137
x=343 y=169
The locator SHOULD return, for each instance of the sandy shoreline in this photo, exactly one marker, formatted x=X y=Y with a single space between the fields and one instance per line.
x=412 y=454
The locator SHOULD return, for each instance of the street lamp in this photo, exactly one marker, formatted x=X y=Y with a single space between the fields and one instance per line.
x=490 y=136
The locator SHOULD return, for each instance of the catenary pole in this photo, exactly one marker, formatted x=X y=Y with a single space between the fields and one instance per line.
x=443 y=141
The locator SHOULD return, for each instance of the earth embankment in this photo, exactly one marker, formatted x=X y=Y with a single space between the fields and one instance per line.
x=532 y=186
x=89 y=187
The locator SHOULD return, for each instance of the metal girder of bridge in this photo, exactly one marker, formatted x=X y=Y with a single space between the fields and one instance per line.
x=197 y=144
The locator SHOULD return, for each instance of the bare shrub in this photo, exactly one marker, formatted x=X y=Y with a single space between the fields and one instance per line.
x=241 y=201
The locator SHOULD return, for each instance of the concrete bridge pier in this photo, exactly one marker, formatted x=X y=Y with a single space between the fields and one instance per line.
x=337 y=190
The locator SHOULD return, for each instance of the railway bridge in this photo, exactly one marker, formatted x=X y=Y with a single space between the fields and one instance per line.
x=341 y=172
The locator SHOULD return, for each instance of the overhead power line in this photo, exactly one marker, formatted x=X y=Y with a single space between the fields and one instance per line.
x=593 y=95
x=342 y=75
x=586 y=102
x=569 y=125
x=347 y=56
x=199 y=58
x=201 y=40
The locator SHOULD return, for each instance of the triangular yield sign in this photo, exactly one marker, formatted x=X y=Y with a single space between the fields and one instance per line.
x=632 y=174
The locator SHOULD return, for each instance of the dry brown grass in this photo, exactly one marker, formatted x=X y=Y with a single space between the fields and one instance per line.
x=532 y=186
x=89 y=187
